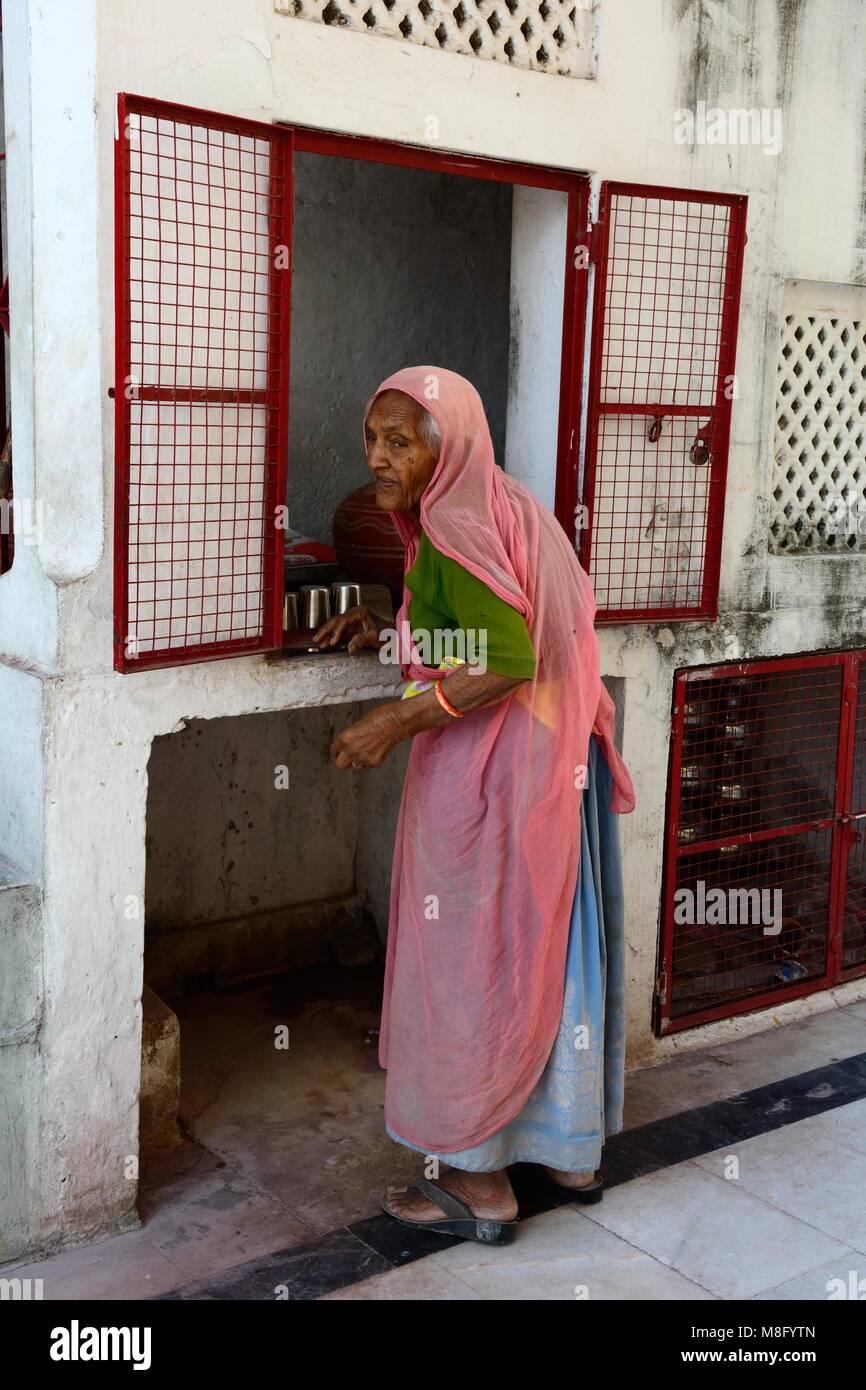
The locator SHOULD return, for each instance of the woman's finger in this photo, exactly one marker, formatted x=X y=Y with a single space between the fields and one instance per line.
x=345 y=760
x=330 y=632
x=362 y=640
x=322 y=631
x=340 y=754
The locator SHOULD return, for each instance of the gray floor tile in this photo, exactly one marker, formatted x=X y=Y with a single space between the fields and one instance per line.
x=562 y=1256
x=838 y=1278
x=713 y=1232
x=718 y=1072
x=803 y=1169
x=124 y=1267
x=423 y=1281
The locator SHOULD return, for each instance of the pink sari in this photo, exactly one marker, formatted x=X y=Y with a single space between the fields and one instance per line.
x=488 y=839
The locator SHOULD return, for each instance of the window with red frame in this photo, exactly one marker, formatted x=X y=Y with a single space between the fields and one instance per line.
x=203 y=207
x=661 y=384
x=767 y=796
x=203 y=294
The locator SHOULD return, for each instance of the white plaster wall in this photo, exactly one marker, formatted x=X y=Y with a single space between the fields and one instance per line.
x=22 y=787
x=238 y=56
x=28 y=600
x=538 y=252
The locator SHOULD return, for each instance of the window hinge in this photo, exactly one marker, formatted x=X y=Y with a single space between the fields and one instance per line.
x=588 y=248
x=662 y=987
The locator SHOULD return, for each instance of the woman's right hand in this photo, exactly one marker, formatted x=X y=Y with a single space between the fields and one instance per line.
x=358 y=624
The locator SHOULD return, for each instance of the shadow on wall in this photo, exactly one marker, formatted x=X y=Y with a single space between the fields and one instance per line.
x=391 y=267
x=260 y=854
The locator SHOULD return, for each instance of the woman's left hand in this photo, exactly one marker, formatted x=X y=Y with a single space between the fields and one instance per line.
x=368 y=742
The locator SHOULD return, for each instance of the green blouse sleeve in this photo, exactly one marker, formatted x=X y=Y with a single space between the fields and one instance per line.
x=501 y=636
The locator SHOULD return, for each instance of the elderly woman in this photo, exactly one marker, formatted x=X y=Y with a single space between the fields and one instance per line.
x=502 y=1026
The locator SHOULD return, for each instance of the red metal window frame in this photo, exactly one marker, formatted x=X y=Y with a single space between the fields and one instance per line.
x=846 y=824
x=717 y=413
x=269 y=398
x=285 y=139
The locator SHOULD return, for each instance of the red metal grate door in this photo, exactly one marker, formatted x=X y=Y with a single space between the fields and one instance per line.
x=666 y=305
x=853 y=855
x=203 y=292
x=767 y=796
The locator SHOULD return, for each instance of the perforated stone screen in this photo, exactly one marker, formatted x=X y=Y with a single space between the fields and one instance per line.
x=819 y=475
x=547 y=35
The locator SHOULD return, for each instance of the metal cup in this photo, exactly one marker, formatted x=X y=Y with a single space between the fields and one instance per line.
x=315 y=606
x=290 y=612
x=344 y=597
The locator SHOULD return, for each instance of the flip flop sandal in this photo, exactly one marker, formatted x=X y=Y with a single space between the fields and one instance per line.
x=589 y=1194
x=459 y=1219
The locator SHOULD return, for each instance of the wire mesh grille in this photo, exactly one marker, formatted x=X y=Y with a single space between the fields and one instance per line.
x=759 y=752
x=858 y=785
x=203 y=364
x=650 y=515
x=854 y=934
x=854 y=929
x=752 y=812
x=663 y=336
x=664 y=301
x=765 y=910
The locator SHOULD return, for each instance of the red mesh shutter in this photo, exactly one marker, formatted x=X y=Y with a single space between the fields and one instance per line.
x=854 y=853
x=203 y=209
x=668 y=274
x=760 y=764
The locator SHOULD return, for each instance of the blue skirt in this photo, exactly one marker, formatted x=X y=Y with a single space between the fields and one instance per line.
x=578 y=1099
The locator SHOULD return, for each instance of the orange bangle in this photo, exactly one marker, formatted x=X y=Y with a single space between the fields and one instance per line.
x=446 y=703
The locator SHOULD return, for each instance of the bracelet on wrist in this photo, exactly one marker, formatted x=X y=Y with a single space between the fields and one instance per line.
x=446 y=703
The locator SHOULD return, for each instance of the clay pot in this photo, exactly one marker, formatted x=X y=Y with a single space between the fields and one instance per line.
x=367 y=542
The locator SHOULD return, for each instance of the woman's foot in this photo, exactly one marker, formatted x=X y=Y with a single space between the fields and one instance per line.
x=565 y=1179
x=489 y=1196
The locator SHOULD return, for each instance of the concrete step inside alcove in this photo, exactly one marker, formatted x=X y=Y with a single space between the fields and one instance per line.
x=160 y=1076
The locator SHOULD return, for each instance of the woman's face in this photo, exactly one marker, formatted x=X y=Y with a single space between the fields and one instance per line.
x=401 y=462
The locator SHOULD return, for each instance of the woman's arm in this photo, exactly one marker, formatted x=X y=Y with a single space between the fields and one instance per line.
x=368 y=742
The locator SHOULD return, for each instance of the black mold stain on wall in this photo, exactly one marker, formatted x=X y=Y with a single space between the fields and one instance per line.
x=718 y=52
x=789 y=17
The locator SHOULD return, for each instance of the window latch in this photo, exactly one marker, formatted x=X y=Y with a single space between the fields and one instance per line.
x=699 y=453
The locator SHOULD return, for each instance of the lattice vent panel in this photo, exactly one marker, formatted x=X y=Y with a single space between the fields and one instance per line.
x=819 y=477
x=553 y=36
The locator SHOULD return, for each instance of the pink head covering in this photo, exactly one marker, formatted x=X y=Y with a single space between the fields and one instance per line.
x=490 y=819
x=465 y=508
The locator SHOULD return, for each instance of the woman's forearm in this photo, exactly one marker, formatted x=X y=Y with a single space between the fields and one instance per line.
x=465 y=689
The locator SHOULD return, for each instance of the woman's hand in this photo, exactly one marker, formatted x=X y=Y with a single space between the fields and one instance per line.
x=368 y=742
x=363 y=626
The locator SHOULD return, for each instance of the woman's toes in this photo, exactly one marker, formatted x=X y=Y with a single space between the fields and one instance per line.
x=413 y=1206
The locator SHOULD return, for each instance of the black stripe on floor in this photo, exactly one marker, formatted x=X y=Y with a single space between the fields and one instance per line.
x=378 y=1244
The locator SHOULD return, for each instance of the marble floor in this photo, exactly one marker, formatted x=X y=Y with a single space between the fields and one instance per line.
x=739 y=1174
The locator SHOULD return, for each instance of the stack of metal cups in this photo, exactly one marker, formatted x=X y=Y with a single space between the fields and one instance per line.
x=316 y=603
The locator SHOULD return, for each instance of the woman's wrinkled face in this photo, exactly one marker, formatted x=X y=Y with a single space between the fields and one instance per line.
x=401 y=461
